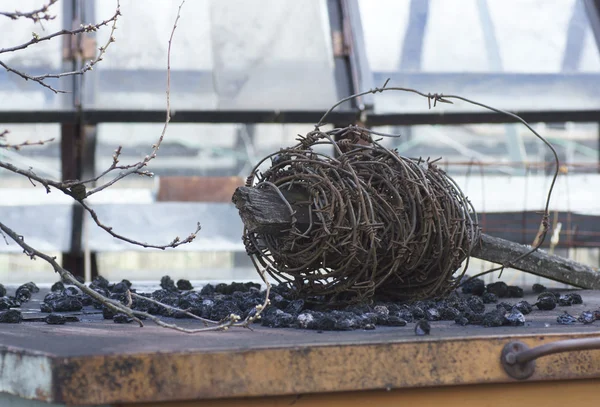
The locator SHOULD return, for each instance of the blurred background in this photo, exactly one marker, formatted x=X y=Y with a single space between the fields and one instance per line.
x=248 y=76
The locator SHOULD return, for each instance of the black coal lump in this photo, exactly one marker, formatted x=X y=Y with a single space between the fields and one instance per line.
x=565 y=300
x=31 y=287
x=474 y=286
x=294 y=307
x=538 y=288
x=489 y=298
x=121 y=287
x=546 y=303
x=12 y=316
x=57 y=287
x=432 y=314
x=278 y=319
x=223 y=309
x=474 y=318
x=207 y=290
x=515 y=291
x=55 y=319
x=524 y=307
x=5 y=303
x=417 y=312
x=395 y=320
x=566 y=319
x=462 y=320
x=45 y=307
x=449 y=313
x=107 y=313
x=122 y=319
x=23 y=293
x=504 y=306
x=99 y=282
x=422 y=328
x=65 y=304
x=2 y=290
x=493 y=318
x=476 y=304
x=587 y=317
x=575 y=298
x=514 y=318
x=499 y=288
x=184 y=285
x=167 y=283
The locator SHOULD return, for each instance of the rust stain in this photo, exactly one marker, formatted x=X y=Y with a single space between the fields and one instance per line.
x=197 y=189
x=301 y=370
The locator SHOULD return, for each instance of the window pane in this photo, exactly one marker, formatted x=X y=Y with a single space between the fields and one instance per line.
x=38 y=59
x=531 y=54
x=273 y=54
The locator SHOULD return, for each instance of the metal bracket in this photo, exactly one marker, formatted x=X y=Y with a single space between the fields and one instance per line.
x=508 y=358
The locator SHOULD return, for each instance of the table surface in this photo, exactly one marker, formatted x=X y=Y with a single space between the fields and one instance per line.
x=98 y=361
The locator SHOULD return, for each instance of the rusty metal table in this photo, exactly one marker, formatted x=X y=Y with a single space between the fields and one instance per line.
x=96 y=362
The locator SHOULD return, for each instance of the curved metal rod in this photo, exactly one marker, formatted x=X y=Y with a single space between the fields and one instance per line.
x=567 y=345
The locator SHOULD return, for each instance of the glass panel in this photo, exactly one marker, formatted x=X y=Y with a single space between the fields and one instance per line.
x=37 y=59
x=44 y=160
x=273 y=54
x=534 y=55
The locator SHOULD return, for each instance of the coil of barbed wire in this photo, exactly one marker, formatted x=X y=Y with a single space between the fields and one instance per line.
x=380 y=224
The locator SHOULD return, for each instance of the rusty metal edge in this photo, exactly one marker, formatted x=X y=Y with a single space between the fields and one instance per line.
x=120 y=378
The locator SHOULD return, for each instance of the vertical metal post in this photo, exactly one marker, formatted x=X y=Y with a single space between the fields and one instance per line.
x=76 y=155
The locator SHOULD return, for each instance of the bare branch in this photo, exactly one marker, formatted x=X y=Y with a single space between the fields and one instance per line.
x=35 y=15
x=25 y=144
x=86 y=67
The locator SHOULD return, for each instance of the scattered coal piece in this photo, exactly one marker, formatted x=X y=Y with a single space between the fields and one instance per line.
x=167 y=283
x=432 y=314
x=2 y=291
x=6 y=303
x=122 y=319
x=476 y=304
x=575 y=298
x=462 y=320
x=72 y=291
x=500 y=288
x=565 y=300
x=121 y=287
x=475 y=286
x=493 y=318
x=65 y=304
x=489 y=298
x=57 y=287
x=538 y=288
x=12 y=316
x=278 y=319
x=294 y=307
x=504 y=306
x=524 y=307
x=587 y=317
x=184 y=285
x=566 y=319
x=449 y=313
x=514 y=318
x=31 y=287
x=207 y=290
x=305 y=320
x=417 y=312
x=546 y=303
x=99 y=282
x=223 y=309
x=422 y=328
x=394 y=320
x=45 y=307
x=515 y=292
x=55 y=319
x=107 y=313
x=23 y=294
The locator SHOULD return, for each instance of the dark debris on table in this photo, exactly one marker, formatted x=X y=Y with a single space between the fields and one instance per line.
x=466 y=306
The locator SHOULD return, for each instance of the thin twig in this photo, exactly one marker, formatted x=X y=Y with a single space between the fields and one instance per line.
x=35 y=15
